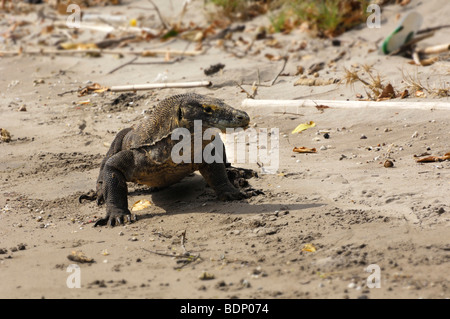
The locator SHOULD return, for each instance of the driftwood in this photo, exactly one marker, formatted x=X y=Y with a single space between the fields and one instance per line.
x=283 y=104
x=145 y=53
x=435 y=49
x=140 y=87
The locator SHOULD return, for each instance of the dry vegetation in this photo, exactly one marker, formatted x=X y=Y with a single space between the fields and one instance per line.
x=327 y=18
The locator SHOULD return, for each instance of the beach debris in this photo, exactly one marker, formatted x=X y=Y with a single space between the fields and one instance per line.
x=315 y=82
x=77 y=46
x=431 y=159
x=206 y=276
x=150 y=86
x=435 y=49
x=214 y=69
x=388 y=92
x=140 y=205
x=304 y=126
x=94 y=88
x=315 y=67
x=309 y=248
x=402 y=34
x=84 y=102
x=388 y=163
x=5 y=136
x=321 y=108
x=303 y=149
x=79 y=256
x=344 y=104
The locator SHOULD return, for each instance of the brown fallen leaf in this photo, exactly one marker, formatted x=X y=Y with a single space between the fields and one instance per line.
x=431 y=159
x=322 y=107
x=303 y=149
x=404 y=94
x=5 y=136
x=388 y=92
x=79 y=256
x=94 y=88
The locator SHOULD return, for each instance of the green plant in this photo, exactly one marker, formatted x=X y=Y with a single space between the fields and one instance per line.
x=325 y=18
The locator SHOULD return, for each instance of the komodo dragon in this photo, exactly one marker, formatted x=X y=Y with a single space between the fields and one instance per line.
x=142 y=154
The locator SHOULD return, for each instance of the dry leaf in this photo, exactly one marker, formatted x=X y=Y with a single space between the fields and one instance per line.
x=309 y=247
x=420 y=93
x=140 y=205
x=388 y=92
x=303 y=149
x=94 y=88
x=404 y=94
x=79 y=256
x=5 y=136
x=303 y=127
x=322 y=107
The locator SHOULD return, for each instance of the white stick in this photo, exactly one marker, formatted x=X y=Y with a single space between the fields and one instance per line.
x=145 y=53
x=140 y=87
x=347 y=104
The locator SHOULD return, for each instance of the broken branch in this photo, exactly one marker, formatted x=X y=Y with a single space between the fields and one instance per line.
x=140 y=87
x=346 y=104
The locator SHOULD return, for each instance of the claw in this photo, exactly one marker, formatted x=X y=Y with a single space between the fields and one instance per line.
x=116 y=220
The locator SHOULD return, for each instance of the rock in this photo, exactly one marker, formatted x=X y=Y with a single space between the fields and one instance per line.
x=388 y=163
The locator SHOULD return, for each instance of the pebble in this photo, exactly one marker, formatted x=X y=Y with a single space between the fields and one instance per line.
x=388 y=163
x=323 y=148
x=416 y=134
x=363 y=137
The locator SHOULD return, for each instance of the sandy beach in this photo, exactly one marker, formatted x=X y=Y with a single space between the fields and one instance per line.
x=341 y=200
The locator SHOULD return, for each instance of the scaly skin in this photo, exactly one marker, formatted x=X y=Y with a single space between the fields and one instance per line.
x=142 y=154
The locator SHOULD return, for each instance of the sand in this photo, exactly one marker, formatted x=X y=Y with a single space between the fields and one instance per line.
x=342 y=200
